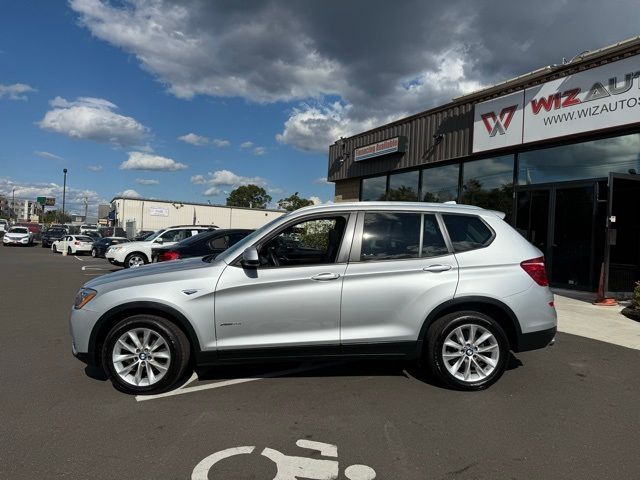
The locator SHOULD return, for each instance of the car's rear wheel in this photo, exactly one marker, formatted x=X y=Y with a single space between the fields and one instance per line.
x=135 y=260
x=94 y=253
x=145 y=354
x=467 y=350
x=69 y=251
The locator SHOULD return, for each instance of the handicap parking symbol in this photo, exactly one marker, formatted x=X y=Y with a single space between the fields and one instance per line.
x=291 y=467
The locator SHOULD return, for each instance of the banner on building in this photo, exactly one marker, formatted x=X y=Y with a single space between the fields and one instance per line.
x=596 y=99
x=385 y=147
x=158 y=212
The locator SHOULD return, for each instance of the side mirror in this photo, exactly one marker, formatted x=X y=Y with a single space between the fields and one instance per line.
x=159 y=240
x=250 y=258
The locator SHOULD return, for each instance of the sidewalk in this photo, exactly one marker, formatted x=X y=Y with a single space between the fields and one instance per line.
x=578 y=316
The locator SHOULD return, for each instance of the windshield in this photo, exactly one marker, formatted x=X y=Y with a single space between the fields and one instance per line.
x=249 y=239
x=19 y=230
x=152 y=235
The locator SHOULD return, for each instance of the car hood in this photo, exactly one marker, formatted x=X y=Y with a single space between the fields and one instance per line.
x=157 y=273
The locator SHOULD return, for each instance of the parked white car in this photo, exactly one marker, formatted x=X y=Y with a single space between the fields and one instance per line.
x=134 y=254
x=18 y=236
x=88 y=228
x=74 y=244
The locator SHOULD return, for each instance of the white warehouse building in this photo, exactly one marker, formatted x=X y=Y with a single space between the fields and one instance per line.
x=136 y=214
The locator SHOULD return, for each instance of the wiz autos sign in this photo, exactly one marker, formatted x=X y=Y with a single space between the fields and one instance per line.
x=392 y=145
x=603 y=97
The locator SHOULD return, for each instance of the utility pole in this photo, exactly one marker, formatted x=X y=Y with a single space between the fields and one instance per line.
x=64 y=191
x=86 y=207
x=13 y=202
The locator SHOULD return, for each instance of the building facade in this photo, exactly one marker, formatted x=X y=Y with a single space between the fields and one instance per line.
x=20 y=209
x=557 y=150
x=136 y=214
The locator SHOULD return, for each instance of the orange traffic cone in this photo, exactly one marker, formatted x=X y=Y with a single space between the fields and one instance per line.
x=601 y=300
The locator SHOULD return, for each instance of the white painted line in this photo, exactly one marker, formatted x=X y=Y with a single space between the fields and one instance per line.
x=235 y=381
x=78 y=258
x=93 y=267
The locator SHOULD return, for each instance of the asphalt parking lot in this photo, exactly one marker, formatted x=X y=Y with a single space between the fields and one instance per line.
x=570 y=411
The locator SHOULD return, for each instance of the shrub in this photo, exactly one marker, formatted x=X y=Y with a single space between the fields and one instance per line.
x=635 y=303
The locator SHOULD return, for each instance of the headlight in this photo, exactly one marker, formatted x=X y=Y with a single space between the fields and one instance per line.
x=84 y=296
x=113 y=249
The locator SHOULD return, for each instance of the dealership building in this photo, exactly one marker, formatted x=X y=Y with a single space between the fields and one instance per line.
x=557 y=150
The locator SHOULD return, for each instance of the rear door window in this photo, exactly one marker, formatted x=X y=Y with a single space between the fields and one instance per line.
x=390 y=236
x=467 y=232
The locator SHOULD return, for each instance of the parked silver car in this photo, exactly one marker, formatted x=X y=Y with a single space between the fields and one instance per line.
x=454 y=286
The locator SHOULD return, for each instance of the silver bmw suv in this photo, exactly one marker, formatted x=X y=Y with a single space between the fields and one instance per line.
x=451 y=285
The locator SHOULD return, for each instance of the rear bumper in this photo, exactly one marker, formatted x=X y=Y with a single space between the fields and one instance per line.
x=536 y=340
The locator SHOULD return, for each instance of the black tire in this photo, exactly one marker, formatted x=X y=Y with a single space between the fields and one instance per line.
x=94 y=253
x=139 y=255
x=175 y=339
x=55 y=249
x=69 y=252
x=436 y=336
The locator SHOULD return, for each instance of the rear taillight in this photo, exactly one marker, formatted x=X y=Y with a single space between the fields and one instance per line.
x=170 y=255
x=76 y=243
x=535 y=269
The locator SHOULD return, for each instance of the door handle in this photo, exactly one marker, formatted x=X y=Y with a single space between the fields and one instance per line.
x=437 y=268
x=323 y=277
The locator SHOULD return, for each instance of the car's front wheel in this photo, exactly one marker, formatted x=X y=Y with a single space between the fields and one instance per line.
x=54 y=248
x=94 y=253
x=145 y=354
x=135 y=260
x=467 y=350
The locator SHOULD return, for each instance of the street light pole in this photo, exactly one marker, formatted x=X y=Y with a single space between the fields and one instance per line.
x=13 y=202
x=64 y=191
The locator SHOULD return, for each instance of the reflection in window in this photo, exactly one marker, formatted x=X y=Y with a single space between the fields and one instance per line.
x=488 y=184
x=390 y=235
x=374 y=188
x=432 y=239
x=403 y=187
x=592 y=159
x=440 y=184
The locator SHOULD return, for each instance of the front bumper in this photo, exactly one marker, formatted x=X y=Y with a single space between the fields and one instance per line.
x=15 y=241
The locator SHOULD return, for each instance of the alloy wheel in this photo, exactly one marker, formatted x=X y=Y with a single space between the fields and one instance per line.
x=141 y=357
x=470 y=353
x=135 y=261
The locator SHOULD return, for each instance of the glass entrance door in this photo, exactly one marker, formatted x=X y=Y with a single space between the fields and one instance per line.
x=623 y=239
x=559 y=219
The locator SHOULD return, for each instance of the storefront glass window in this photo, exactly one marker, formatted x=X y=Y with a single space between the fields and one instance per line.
x=374 y=188
x=488 y=184
x=440 y=184
x=403 y=187
x=581 y=160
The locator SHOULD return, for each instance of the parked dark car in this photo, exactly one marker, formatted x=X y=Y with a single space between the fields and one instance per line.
x=52 y=235
x=112 y=232
x=102 y=245
x=93 y=234
x=211 y=242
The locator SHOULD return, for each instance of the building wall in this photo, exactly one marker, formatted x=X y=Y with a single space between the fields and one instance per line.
x=348 y=190
x=173 y=213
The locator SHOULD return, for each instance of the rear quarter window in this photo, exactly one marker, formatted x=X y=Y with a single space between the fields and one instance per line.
x=467 y=232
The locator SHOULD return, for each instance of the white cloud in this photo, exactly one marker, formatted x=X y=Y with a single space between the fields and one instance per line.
x=146 y=161
x=49 y=155
x=219 y=142
x=322 y=181
x=95 y=168
x=346 y=78
x=258 y=151
x=246 y=145
x=94 y=119
x=15 y=91
x=318 y=201
x=74 y=201
x=216 y=181
x=200 y=140
x=130 y=193
x=194 y=139
x=147 y=181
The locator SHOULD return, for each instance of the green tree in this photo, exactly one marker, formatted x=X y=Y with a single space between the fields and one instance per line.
x=294 y=202
x=249 y=196
x=56 y=216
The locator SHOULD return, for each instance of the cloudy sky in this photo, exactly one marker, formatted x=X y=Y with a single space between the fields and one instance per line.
x=187 y=100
